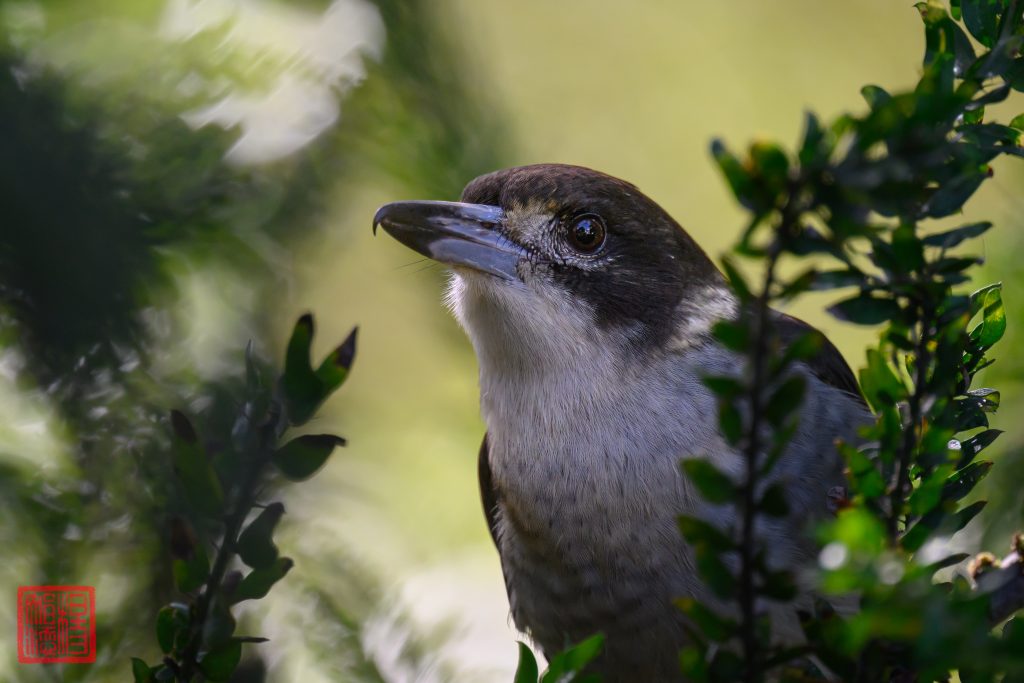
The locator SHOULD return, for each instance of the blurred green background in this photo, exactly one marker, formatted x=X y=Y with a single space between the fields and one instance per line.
x=181 y=176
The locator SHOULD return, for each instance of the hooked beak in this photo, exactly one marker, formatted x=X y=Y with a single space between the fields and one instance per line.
x=454 y=233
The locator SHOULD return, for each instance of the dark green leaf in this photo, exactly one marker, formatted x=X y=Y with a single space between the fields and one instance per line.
x=961 y=482
x=301 y=457
x=736 y=279
x=141 y=671
x=191 y=573
x=785 y=400
x=733 y=335
x=714 y=572
x=982 y=19
x=725 y=387
x=219 y=625
x=865 y=309
x=526 y=671
x=951 y=196
x=730 y=421
x=200 y=483
x=712 y=483
x=171 y=621
x=875 y=96
x=259 y=581
x=774 y=502
x=778 y=585
x=976 y=444
x=255 y=545
x=218 y=665
x=715 y=627
x=699 y=533
x=573 y=660
x=834 y=279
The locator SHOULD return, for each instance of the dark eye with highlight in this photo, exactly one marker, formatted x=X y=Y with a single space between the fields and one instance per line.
x=586 y=233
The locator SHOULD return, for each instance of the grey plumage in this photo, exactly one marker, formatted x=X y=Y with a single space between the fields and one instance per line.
x=590 y=386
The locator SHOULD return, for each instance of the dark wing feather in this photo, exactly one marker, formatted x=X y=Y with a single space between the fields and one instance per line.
x=488 y=495
x=828 y=364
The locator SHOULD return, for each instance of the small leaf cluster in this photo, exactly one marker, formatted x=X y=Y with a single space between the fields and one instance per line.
x=852 y=206
x=222 y=490
x=568 y=666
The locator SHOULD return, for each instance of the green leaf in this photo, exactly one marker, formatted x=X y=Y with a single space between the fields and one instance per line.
x=715 y=627
x=774 y=502
x=700 y=533
x=951 y=196
x=218 y=665
x=259 y=581
x=197 y=476
x=785 y=400
x=724 y=386
x=778 y=585
x=993 y=323
x=333 y=372
x=191 y=572
x=736 y=280
x=730 y=422
x=714 y=572
x=573 y=660
x=961 y=482
x=141 y=671
x=982 y=19
x=171 y=621
x=712 y=483
x=865 y=309
x=526 y=671
x=875 y=96
x=732 y=333
x=907 y=248
x=1017 y=122
x=835 y=279
x=879 y=382
x=952 y=238
x=256 y=545
x=305 y=389
x=219 y=625
x=739 y=178
x=301 y=457
x=976 y=444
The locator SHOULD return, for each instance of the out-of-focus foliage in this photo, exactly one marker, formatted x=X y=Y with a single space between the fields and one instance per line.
x=198 y=637
x=860 y=192
x=153 y=153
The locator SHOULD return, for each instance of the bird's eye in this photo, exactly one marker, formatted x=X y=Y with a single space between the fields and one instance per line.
x=586 y=233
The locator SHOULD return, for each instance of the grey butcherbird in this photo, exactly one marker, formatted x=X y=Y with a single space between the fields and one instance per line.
x=590 y=312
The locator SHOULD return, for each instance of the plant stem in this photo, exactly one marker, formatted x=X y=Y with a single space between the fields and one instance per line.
x=233 y=526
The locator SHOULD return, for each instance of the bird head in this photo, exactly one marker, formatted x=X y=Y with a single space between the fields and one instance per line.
x=556 y=261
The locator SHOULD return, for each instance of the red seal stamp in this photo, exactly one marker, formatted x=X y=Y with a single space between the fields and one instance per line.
x=56 y=624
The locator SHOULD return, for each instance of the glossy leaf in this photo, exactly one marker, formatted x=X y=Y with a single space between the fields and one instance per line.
x=527 y=670
x=573 y=661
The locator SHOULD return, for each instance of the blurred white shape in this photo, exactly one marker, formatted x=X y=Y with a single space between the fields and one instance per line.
x=324 y=57
x=463 y=600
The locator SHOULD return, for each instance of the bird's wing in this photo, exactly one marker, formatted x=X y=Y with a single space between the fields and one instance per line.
x=828 y=364
x=487 y=493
